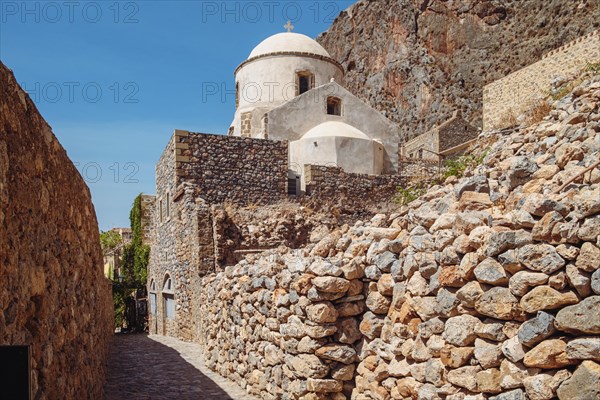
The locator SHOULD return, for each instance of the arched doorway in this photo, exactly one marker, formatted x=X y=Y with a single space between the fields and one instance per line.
x=168 y=295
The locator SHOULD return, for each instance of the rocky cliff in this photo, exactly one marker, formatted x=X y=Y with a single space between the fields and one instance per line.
x=53 y=294
x=419 y=60
x=486 y=287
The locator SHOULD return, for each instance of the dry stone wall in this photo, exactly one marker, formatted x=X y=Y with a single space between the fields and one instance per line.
x=330 y=185
x=519 y=91
x=234 y=169
x=486 y=287
x=53 y=295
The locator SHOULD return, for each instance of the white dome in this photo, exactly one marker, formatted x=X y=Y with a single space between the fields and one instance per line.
x=334 y=128
x=288 y=41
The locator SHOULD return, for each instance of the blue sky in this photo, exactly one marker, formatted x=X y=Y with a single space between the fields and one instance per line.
x=115 y=78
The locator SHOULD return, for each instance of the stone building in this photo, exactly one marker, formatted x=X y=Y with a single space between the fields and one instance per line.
x=296 y=132
x=443 y=140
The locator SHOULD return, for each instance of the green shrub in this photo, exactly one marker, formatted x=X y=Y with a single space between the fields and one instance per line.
x=405 y=195
x=457 y=166
x=593 y=67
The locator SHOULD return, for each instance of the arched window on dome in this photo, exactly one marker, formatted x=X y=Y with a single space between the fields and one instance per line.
x=237 y=95
x=305 y=80
x=334 y=105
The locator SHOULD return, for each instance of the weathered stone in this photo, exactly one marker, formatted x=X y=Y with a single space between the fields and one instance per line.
x=539 y=205
x=308 y=345
x=337 y=352
x=347 y=331
x=491 y=329
x=384 y=261
x=536 y=329
x=465 y=377
x=307 y=366
x=588 y=258
x=417 y=285
x=541 y=257
x=542 y=386
x=595 y=282
x=543 y=230
x=520 y=282
x=583 y=384
x=548 y=354
x=460 y=330
x=371 y=325
x=350 y=309
x=490 y=271
x=323 y=385
x=469 y=293
x=498 y=303
x=322 y=312
x=385 y=285
x=473 y=201
x=320 y=331
x=586 y=348
x=343 y=372
x=330 y=284
x=590 y=229
x=488 y=381
x=477 y=183
x=579 y=280
x=499 y=242
x=580 y=318
x=545 y=298
x=455 y=357
x=487 y=354
x=322 y=267
x=516 y=394
x=512 y=349
x=354 y=269
x=378 y=303
x=512 y=374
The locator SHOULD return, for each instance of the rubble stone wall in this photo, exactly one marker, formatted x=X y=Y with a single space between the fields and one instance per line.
x=518 y=91
x=486 y=287
x=53 y=296
x=234 y=169
x=332 y=185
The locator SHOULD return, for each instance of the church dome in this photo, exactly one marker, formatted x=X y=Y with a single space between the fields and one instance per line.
x=334 y=128
x=288 y=42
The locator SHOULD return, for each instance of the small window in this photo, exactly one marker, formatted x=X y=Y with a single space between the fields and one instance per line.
x=168 y=206
x=152 y=286
x=334 y=106
x=304 y=82
x=420 y=153
x=160 y=210
x=169 y=298
x=237 y=95
x=168 y=286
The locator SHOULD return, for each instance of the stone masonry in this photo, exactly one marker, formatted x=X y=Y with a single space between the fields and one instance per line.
x=486 y=287
x=53 y=295
x=517 y=92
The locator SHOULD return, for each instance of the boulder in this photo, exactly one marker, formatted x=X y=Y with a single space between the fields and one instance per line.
x=580 y=318
x=583 y=384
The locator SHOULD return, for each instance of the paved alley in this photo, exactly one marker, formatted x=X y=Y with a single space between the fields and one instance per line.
x=152 y=367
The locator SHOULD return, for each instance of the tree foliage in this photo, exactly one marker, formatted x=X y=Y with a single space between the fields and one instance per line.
x=109 y=241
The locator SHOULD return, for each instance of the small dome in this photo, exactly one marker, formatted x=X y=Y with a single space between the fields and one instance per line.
x=334 y=128
x=288 y=41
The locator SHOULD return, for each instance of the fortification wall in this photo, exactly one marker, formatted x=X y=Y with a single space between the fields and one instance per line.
x=54 y=296
x=233 y=169
x=519 y=91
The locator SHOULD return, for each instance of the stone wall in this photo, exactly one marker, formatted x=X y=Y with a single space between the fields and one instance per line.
x=515 y=93
x=328 y=185
x=440 y=140
x=148 y=209
x=53 y=295
x=486 y=287
x=234 y=169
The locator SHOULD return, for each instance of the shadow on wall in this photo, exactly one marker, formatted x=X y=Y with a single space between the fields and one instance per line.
x=141 y=368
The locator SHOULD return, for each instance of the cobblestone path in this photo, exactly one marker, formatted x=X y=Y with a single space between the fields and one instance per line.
x=142 y=367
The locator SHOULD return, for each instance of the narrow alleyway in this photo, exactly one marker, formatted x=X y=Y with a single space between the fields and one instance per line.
x=157 y=367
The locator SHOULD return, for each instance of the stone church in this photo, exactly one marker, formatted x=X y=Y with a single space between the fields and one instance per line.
x=289 y=88
x=296 y=131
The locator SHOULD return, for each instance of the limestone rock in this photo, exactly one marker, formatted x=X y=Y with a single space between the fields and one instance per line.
x=547 y=355
x=543 y=386
x=465 y=377
x=579 y=280
x=499 y=303
x=546 y=298
x=585 y=348
x=491 y=272
x=322 y=312
x=520 y=282
x=580 y=318
x=541 y=257
x=323 y=385
x=513 y=349
x=583 y=384
x=347 y=331
x=588 y=258
x=487 y=354
x=378 y=303
x=455 y=357
x=371 y=325
x=307 y=366
x=460 y=330
x=536 y=329
x=330 y=284
x=488 y=381
x=337 y=352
